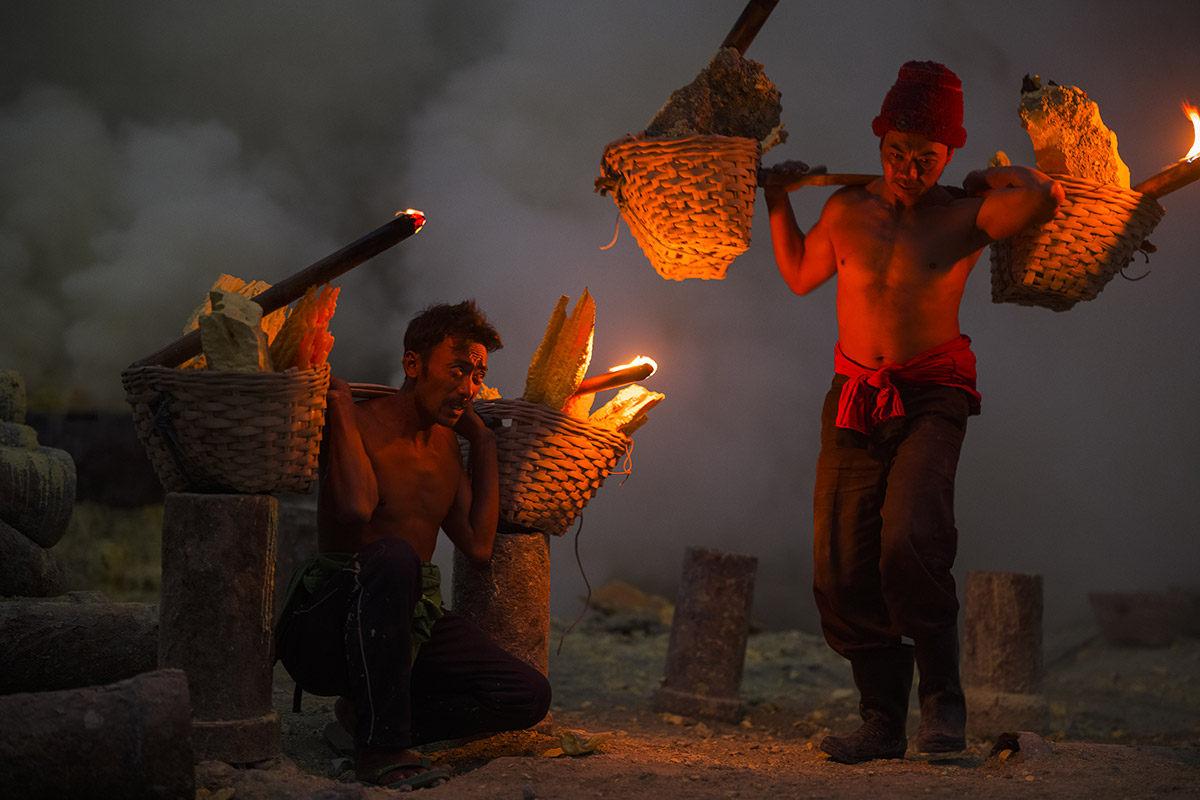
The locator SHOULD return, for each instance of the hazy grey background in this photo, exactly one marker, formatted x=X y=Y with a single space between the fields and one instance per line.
x=145 y=147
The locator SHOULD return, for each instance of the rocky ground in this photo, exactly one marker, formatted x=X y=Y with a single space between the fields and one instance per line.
x=1124 y=722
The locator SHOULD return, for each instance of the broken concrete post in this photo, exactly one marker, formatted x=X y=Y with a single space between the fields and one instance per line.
x=51 y=645
x=509 y=596
x=707 y=647
x=27 y=570
x=1002 y=652
x=218 y=588
x=127 y=739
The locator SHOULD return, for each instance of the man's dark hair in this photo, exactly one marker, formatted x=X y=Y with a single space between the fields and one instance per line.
x=435 y=322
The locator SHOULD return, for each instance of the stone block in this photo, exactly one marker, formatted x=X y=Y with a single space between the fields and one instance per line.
x=128 y=739
x=37 y=491
x=27 y=570
x=61 y=644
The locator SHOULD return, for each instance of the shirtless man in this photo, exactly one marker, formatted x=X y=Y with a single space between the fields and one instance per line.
x=368 y=625
x=902 y=247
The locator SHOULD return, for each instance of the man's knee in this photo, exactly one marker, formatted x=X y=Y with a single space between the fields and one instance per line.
x=535 y=703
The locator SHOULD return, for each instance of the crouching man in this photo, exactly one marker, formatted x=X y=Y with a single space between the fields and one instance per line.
x=364 y=621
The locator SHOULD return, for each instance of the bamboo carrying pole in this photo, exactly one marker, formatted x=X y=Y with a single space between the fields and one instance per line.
x=791 y=182
x=293 y=287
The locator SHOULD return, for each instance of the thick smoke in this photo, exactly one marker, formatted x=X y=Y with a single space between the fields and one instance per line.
x=145 y=148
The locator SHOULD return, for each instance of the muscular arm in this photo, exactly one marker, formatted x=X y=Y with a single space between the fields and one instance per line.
x=471 y=523
x=1015 y=198
x=805 y=262
x=349 y=491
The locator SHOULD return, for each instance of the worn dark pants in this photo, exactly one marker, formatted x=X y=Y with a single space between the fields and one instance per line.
x=352 y=638
x=884 y=535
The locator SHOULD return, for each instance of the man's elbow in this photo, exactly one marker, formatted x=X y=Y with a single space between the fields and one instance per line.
x=479 y=552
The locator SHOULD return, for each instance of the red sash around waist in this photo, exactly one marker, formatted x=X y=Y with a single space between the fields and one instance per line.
x=870 y=397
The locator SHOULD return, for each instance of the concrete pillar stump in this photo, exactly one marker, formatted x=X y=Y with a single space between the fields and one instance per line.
x=1002 y=653
x=707 y=648
x=509 y=597
x=218 y=586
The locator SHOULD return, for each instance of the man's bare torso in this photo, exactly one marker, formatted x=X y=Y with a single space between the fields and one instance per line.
x=900 y=270
x=417 y=479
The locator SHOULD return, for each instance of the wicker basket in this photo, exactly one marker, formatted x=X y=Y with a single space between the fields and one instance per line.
x=689 y=202
x=1073 y=256
x=551 y=464
x=229 y=432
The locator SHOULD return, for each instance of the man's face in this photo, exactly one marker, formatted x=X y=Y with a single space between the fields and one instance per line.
x=912 y=164
x=449 y=379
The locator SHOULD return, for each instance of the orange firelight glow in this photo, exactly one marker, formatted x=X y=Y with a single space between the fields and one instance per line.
x=637 y=362
x=1194 y=115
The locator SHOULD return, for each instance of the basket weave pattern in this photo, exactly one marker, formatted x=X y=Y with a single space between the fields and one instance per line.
x=689 y=202
x=551 y=464
x=1073 y=256
x=229 y=432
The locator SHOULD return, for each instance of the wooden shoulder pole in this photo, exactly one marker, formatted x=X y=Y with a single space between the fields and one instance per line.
x=293 y=287
x=748 y=24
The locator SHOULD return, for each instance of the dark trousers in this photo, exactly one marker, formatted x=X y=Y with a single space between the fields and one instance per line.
x=884 y=534
x=352 y=638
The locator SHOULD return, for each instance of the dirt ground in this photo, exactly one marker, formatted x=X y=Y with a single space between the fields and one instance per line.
x=1124 y=723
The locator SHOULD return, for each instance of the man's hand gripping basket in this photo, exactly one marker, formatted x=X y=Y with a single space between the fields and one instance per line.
x=234 y=432
x=689 y=202
x=1073 y=256
x=551 y=464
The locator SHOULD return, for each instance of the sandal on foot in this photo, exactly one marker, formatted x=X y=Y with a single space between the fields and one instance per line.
x=430 y=777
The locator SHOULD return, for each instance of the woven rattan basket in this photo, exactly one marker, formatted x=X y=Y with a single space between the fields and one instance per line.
x=551 y=464
x=229 y=432
x=689 y=202
x=1073 y=256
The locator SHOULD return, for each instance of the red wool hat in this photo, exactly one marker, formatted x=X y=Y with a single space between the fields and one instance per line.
x=926 y=99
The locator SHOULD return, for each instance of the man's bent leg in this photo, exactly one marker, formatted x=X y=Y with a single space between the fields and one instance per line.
x=464 y=684
x=378 y=642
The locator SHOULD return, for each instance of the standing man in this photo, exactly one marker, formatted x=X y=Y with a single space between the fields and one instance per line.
x=901 y=247
x=366 y=623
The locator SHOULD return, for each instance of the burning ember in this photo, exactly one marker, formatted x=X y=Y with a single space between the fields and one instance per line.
x=1194 y=115
x=418 y=217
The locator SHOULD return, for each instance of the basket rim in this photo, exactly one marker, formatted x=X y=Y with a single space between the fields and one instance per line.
x=553 y=415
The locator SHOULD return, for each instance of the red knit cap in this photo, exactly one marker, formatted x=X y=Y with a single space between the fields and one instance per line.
x=926 y=99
